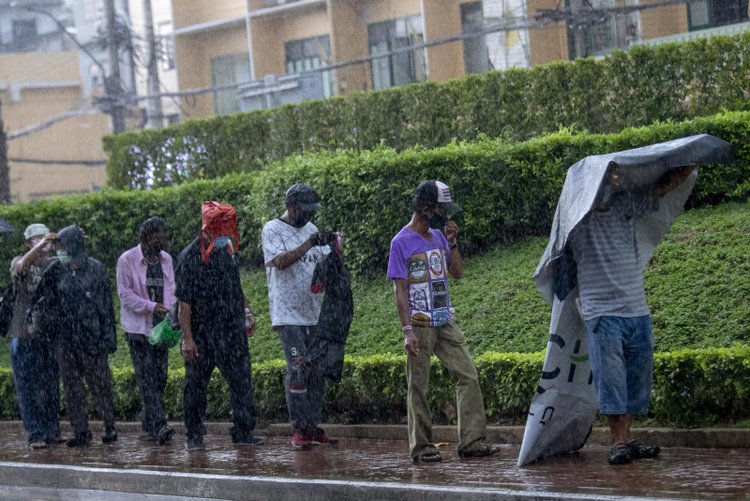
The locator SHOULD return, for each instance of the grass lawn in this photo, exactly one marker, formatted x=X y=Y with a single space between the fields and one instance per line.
x=698 y=287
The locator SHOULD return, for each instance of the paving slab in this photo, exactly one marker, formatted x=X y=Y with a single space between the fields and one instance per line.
x=364 y=468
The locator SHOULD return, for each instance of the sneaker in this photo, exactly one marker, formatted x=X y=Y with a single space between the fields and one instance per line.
x=79 y=440
x=110 y=435
x=318 y=436
x=481 y=449
x=620 y=454
x=165 y=434
x=639 y=451
x=253 y=440
x=38 y=444
x=299 y=440
x=195 y=444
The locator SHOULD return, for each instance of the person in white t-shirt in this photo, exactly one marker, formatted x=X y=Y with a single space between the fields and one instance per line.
x=292 y=246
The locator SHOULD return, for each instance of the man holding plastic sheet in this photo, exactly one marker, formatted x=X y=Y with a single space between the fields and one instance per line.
x=421 y=258
x=32 y=353
x=212 y=320
x=292 y=247
x=74 y=304
x=613 y=211
x=145 y=284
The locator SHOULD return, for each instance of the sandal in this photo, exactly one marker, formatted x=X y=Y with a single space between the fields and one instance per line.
x=639 y=451
x=483 y=450
x=431 y=456
x=620 y=454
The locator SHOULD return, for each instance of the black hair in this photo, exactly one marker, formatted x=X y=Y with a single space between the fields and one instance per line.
x=151 y=226
x=426 y=195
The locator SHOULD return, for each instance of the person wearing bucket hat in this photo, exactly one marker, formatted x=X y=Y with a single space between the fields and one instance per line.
x=212 y=319
x=74 y=304
x=35 y=373
x=292 y=247
x=422 y=256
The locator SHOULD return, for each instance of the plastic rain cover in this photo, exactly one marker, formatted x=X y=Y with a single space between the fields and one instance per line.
x=564 y=406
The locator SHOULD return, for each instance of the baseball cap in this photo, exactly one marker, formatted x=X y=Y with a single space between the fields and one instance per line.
x=435 y=192
x=35 y=230
x=304 y=196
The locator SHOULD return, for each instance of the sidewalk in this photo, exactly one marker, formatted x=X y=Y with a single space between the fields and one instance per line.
x=370 y=462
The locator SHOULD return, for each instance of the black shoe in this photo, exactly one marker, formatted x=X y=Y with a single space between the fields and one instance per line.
x=110 y=435
x=165 y=434
x=252 y=440
x=620 y=454
x=79 y=440
x=195 y=444
x=639 y=451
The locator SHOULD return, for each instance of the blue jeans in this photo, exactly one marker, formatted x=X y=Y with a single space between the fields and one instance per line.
x=621 y=353
x=36 y=378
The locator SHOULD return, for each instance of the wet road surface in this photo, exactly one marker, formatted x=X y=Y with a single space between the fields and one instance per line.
x=678 y=473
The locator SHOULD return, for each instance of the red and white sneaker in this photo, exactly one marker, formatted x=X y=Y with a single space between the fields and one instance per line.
x=300 y=440
x=318 y=437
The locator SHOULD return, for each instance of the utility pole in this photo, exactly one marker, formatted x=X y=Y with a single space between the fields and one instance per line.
x=114 y=82
x=4 y=169
x=154 y=110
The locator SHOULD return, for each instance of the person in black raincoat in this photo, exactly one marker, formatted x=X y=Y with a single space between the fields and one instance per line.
x=214 y=325
x=73 y=304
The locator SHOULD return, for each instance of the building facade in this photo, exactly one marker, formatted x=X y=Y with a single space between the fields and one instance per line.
x=261 y=53
x=54 y=131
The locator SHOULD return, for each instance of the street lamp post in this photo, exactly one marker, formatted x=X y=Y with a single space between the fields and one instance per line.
x=113 y=101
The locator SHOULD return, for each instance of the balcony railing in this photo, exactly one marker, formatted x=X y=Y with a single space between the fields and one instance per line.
x=729 y=29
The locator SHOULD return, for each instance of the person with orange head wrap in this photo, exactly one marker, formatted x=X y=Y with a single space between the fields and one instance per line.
x=212 y=320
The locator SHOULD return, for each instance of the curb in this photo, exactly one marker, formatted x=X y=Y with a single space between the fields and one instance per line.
x=719 y=438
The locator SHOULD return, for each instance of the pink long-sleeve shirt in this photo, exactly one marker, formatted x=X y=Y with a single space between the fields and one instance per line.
x=136 y=309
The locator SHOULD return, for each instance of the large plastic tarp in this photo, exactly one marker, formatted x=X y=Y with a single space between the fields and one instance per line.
x=564 y=406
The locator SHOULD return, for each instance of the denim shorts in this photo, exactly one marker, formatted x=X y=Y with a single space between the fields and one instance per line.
x=621 y=353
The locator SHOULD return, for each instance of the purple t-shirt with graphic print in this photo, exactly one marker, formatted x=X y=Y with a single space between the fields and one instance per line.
x=424 y=263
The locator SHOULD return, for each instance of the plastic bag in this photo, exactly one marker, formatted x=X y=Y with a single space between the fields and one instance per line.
x=162 y=334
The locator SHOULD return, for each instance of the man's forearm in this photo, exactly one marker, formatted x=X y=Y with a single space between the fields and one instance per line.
x=288 y=258
x=672 y=180
x=184 y=316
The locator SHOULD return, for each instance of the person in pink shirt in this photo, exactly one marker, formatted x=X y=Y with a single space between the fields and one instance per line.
x=146 y=286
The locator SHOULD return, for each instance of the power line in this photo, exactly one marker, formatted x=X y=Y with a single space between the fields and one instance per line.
x=39 y=161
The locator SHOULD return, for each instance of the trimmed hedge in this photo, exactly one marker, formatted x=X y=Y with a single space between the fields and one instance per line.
x=627 y=89
x=507 y=190
x=691 y=388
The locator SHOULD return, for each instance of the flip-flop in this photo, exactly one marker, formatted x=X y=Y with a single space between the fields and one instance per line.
x=428 y=457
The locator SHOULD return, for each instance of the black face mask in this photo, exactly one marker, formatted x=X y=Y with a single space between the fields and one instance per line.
x=437 y=222
x=300 y=219
x=153 y=249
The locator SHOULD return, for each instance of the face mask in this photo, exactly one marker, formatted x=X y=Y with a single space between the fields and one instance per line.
x=301 y=219
x=221 y=242
x=437 y=221
x=607 y=194
x=153 y=249
x=63 y=256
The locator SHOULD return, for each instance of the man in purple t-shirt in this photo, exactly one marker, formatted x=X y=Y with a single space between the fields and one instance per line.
x=420 y=261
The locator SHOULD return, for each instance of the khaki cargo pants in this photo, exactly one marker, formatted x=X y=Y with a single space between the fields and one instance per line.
x=449 y=345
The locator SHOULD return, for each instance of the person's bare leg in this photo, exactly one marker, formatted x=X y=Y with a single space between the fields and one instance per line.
x=619 y=427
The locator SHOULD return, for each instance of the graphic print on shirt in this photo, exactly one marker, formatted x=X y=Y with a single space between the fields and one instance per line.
x=428 y=288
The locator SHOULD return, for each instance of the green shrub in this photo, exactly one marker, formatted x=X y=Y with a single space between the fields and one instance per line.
x=627 y=89
x=691 y=388
x=507 y=190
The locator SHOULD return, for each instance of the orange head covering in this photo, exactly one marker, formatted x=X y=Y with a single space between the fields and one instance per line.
x=218 y=220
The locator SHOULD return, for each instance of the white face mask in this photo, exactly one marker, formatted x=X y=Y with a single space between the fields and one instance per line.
x=63 y=256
